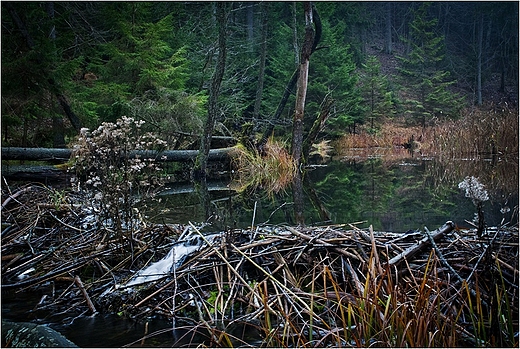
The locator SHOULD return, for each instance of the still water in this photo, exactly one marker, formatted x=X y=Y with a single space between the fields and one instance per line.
x=395 y=191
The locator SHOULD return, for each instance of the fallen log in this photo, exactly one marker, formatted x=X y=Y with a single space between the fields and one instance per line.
x=416 y=248
x=42 y=154
x=39 y=173
x=56 y=154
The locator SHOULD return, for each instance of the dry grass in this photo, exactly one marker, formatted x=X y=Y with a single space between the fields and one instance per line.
x=480 y=132
x=489 y=131
x=273 y=171
x=389 y=135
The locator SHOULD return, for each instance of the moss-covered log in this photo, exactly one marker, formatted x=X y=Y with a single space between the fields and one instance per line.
x=30 y=335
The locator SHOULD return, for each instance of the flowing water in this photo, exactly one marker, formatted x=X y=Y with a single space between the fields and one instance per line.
x=395 y=192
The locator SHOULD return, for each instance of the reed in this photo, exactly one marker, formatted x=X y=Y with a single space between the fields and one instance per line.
x=389 y=135
x=273 y=170
x=418 y=310
x=485 y=131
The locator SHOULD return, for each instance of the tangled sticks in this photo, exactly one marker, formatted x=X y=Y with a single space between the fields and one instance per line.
x=299 y=286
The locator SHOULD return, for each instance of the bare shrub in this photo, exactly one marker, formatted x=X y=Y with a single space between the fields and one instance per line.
x=112 y=178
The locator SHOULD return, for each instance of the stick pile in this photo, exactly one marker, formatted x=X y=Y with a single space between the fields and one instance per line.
x=295 y=286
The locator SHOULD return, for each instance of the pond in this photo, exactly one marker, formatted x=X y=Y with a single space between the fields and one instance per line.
x=392 y=190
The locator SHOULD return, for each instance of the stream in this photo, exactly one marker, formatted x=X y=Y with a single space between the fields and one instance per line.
x=396 y=193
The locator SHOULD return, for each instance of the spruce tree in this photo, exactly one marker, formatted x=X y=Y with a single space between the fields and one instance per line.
x=427 y=92
x=376 y=91
x=334 y=72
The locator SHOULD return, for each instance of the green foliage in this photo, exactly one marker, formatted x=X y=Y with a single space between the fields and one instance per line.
x=138 y=60
x=376 y=91
x=426 y=81
x=109 y=59
x=332 y=70
x=168 y=112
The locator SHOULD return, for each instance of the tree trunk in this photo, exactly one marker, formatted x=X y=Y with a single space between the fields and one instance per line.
x=261 y=68
x=283 y=102
x=301 y=94
x=250 y=25
x=73 y=118
x=63 y=155
x=318 y=125
x=479 y=61
x=199 y=170
x=57 y=120
x=290 y=85
x=388 y=28
x=299 y=112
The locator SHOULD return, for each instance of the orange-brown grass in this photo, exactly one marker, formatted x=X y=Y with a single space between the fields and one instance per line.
x=389 y=135
x=485 y=131
x=273 y=170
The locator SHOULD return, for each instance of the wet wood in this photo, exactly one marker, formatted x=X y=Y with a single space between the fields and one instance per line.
x=91 y=306
x=239 y=273
x=416 y=248
x=63 y=155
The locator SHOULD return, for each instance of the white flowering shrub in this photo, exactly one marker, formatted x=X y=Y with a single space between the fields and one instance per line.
x=478 y=194
x=112 y=177
x=474 y=189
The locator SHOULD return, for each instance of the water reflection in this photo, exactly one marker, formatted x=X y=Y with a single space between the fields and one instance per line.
x=393 y=190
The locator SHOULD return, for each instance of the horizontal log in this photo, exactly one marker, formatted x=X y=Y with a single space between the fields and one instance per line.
x=416 y=248
x=41 y=173
x=56 y=154
x=41 y=154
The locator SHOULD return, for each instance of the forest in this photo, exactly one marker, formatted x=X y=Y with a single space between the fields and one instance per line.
x=309 y=146
x=73 y=65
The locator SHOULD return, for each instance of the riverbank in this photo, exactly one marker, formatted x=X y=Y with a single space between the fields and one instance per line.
x=290 y=286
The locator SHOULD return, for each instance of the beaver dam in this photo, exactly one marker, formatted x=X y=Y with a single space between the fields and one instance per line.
x=284 y=286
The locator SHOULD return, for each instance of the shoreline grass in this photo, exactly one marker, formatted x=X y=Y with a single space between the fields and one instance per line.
x=479 y=132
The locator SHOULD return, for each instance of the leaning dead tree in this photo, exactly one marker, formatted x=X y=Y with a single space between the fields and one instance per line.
x=292 y=82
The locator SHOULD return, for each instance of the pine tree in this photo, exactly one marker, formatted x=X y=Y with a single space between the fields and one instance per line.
x=427 y=94
x=334 y=72
x=376 y=91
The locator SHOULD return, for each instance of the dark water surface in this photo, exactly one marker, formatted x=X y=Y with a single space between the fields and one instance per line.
x=392 y=192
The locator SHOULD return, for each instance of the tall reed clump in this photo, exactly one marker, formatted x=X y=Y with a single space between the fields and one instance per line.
x=486 y=131
x=273 y=170
x=413 y=306
x=112 y=179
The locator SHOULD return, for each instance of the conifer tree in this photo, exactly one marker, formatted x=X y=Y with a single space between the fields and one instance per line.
x=427 y=82
x=376 y=91
x=334 y=73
